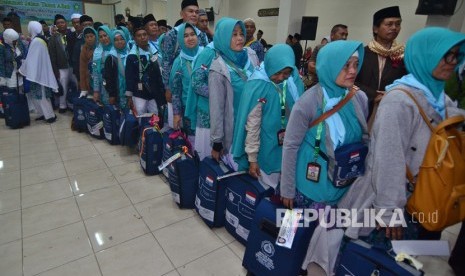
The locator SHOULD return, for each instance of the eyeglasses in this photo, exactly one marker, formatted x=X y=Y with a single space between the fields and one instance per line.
x=450 y=57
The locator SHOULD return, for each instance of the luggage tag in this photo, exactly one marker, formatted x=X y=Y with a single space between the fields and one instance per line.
x=313 y=171
x=289 y=226
x=140 y=87
x=280 y=135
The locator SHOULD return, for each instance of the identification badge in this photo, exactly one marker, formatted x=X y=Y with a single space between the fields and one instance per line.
x=104 y=82
x=313 y=171
x=140 y=86
x=153 y=58
x=280 y=136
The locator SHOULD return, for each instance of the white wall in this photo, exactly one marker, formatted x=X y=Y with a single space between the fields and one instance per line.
x=242 y=9
x=101 y=13
x=358 y=16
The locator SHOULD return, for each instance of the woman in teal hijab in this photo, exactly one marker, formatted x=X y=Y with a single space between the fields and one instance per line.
x=228 y=74
x=400 y=133
x=180 y=77
x=105 y=37
x=308 y=163
x=263 y=113
x=114 y=73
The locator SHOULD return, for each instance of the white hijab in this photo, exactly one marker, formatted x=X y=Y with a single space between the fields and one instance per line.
x=38 y=57
x=10 y=35
x=34 y=28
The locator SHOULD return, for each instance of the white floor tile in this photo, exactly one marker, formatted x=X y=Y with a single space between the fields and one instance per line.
x=72 y=141
x=10 y=227
x=10 y=164
x=7 y=150
x=10 y=200
x=10 y=180
x=10 y=140
x=85 y=164
x=102 y=201
x=219 y=262
x=187 y=240
x=162 y=211
x=224 y=235
x=172 y=273
x=141 y=256
x=115 y=227
x=55 y=248
x=86 y=266
x=120 y=157
x=43 y=173
x=10 y=259
x=238 y=249
x=145 y=188
x=78 y=152
x=37 y=159
x=90 y=181
x=49 y=216
x=45 y=192
x=127 y=172
x=28 y=149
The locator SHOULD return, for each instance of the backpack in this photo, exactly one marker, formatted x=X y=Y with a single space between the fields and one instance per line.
x=438 y=198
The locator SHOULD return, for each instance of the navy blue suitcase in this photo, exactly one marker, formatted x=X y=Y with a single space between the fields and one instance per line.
x=72 y=94
x=111 y=122
x=262 y=255
x=243 y=194
x=79 y=114
x=94 y=119
x=16 y=110
x=170 y=147
x=129 y=129
x=184 y=180
x=360 y=258
x=151 y=150
x=210 y=202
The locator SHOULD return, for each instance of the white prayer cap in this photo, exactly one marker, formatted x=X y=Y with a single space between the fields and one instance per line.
x=75 y=16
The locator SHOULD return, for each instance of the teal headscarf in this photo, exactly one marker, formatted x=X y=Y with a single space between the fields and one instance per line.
x=424 y=51
x=107 y=30
x=127 y=33
x=199 y=83
x=187 y=53
x=260 y=86
x=331 y=59
x=123 y=51
x=222 y=40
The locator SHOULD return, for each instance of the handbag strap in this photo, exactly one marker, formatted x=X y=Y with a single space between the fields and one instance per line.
x=453 y=120
x=338 y=106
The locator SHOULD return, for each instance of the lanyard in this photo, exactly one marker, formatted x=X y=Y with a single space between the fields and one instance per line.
x=282 y=101
x=142 y=68
x=316 y=151
x=241 y=72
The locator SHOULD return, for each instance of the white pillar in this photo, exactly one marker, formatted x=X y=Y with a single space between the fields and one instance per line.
x=454 y=22
x=143 y=7
x=173 y=10
x=290 y=18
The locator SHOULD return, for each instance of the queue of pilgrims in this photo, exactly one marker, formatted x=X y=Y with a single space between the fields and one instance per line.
x=256 y=117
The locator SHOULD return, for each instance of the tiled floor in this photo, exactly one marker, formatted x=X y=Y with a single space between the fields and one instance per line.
x=73 y=205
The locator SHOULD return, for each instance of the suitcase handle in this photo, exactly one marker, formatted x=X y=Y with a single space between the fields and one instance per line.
x=269 y=227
